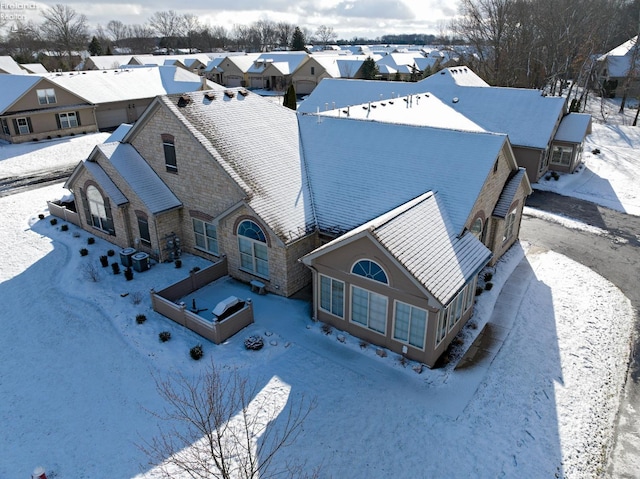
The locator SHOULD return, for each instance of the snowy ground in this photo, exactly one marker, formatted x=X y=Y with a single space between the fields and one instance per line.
x=77 y=375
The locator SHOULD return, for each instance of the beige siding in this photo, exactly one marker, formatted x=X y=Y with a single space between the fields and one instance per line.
x=531 y=159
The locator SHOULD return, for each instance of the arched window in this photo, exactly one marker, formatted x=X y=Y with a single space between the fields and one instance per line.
x=99 y=210
x=476 y=228
x=252 y=244
x=370 y=270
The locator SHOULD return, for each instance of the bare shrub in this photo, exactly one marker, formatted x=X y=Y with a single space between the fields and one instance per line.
x=137 y=297
x=90 y=272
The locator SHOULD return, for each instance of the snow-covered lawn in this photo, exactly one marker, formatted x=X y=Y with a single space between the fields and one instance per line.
x=77 y=376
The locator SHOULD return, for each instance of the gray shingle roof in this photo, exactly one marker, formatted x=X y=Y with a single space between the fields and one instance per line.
x=109 y=187
x=508 y=194
x=145 y=182
x=257 y=143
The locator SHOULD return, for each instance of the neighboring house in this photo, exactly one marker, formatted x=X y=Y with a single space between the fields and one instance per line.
x=273 y=70
x=390 y=222
x=399 y=66
x=106 y=62
x=10 y=66
x=234 y=69
x=320 y=66
x=530 y=119
x=122 y=95
x=618 y=66
x=36 y=108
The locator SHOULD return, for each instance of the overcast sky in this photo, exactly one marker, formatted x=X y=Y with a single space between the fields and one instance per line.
x=349 y=18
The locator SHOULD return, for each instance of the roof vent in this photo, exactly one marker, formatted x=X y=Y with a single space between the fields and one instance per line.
x=229 y=93
x=243 y=92
x=184 y=100
x=210 y=96
x=455 y=99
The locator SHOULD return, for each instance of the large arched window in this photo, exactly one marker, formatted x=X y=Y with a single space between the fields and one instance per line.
x=476 y=228
x=252 y=244
x=99 y=210
x=371 y=270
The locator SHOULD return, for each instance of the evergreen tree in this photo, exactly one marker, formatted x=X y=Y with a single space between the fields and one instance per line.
x=290 y=98
x=94 y=47
x=298 y=41
x=369 y=69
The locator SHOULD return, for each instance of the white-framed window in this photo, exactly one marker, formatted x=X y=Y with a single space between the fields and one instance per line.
x=23 y=125
x=371 y=270
x=457 y=306
x=332 y=296
x=561 y=155
x=68 y=120
x=206 y=236
x=509 y=224
x=369 y=309
x=410 y=324
x=99 y=215
x=252 y=244
x=46 y=96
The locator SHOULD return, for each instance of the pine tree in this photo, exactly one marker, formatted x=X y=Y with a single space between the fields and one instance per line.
x=369 y=69
x=298 y=41
x=290 y=98
x=94 y=47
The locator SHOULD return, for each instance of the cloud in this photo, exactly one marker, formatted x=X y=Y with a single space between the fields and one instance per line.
x=388 y=10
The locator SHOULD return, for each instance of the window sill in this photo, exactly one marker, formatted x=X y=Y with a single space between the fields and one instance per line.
x=217 y=255
x=253 y=273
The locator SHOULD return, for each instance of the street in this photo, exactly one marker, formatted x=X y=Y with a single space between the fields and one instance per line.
x=616 y=257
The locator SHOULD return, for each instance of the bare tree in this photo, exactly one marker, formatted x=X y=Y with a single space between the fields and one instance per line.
x=223 y=427
x=24 y=41
x=142 y=39
x=284 y=33
x=169 y=25
x=118 y=31
x=266 y=33
x=191 y=28
x=65 y=30
x=326 y=34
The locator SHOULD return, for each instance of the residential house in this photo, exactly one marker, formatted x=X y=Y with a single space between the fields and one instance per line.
x=618 y=70
x=529 y=118
x=399 y=66
x=320 y=66
x=274 y=70
x=234 y=69
x=37 y=68
x=389 y=222
x=122 y=95
x=34 y=108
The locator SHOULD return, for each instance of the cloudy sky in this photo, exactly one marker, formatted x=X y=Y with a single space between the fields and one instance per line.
x=349 y=18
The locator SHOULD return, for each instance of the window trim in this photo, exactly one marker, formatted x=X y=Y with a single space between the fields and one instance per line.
x=563 y=152
x=48 y=95
x=509 y=223
x=411 y=309
x=170 y=157
x=368 y=325
x=254 y=243
x=144 y=220
x=65 y=117
x=331 y=295
x=105 y=223
x=26 y=124
x=370 y=276
x=207 y=239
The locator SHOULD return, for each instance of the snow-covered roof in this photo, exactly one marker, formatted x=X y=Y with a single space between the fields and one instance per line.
x=103 y=179
x=12 y=87
x=105 y=86
x=508 y=193
x=573 y=128
x=419 y=235
x=33 y=68
x=242 y=62
x=264 y=161
x=142 y=179
x=525 y=115
x=421 y=109
x=9 y=65
x=119 y=133
x=619 y=59
x=107 y=62
x=293 y=59
x=359 y=170
x=422 y=239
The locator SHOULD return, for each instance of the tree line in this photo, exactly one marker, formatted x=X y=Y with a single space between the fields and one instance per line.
x=534 y=43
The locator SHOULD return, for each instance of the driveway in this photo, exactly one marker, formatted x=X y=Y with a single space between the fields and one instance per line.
x=616 y=257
